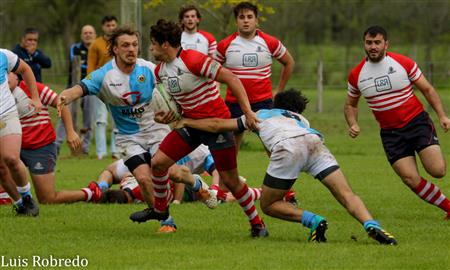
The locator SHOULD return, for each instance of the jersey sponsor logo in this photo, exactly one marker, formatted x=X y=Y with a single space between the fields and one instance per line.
x=131 y=98
x=259 y=49
x=38 y=166
x=141 y=78
x=391 y=70
x=115 y=84
x=383 y=84
x=134 y=113
x=250 y=60
x=173 y=85
x=179 y=72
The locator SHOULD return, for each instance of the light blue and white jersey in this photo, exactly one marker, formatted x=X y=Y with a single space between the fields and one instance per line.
x=128 y=96
x=277 y=125
x=9 y=62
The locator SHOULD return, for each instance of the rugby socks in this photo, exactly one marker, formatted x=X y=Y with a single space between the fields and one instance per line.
x=371 y=223
x=256 y=193
x=308 y=219
x=221 y=194
x=160 y=191
x=245 y=199
x=432 y=194
x=18 y=203
x=25 y=190
x=87 y=194
x=103 y=185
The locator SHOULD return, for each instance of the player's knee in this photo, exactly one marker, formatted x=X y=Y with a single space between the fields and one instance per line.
x=12 y=161
x=438 y=172
x=143 y=179
x=48 y=198
x=410 y=180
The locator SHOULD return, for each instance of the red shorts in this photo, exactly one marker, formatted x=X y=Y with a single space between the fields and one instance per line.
x=180 y=142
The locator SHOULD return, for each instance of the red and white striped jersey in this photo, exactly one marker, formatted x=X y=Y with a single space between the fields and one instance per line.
x=200 y=41
x=387 y=88
x=189 y=78
x=37 y=129
x=251 y=61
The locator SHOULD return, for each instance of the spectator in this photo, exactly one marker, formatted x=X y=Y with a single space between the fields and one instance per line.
x=27 y=51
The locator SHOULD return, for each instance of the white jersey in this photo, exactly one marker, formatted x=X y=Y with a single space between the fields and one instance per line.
x=278 y=125
x=199 y=160
x=9 y=62
x=200 y=41
x=387 y=87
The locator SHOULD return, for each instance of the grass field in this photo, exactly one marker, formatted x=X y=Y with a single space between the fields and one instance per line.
x=219 y=239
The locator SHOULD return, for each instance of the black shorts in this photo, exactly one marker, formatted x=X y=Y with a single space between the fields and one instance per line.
x=236 y=111
x=418 y=134
x=41 y=160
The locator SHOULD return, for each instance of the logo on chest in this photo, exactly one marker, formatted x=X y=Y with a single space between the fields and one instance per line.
x=131 y=98
x=173 y=85
x=383 y=84
x=250 y=60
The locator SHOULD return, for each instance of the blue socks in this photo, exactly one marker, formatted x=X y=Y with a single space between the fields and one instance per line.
x=25 y=190
x=371 y=223
x=103 y=185
x=308 y=219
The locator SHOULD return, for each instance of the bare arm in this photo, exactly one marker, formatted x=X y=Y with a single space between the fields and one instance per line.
x=351 y=115
x=30 y=81
x=72 y=137
x=236 y=87
x=68 y=96
x=288 y=66
x=433 y=99
x=214 y=125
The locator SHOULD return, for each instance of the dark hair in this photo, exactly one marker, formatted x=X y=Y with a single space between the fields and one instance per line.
x=168 y=31
x=291 y=100
x=185 y=9
x=114 y=196
x=123 y=30
x=30 y=30
x=109 y=18
x=245 y=5
x=375 y=30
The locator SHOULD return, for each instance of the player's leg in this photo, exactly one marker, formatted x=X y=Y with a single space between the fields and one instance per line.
x=101 y=116
x=8 y=183
x=10 y=143
x=433 y=161
x=44 y=186
x=223 y=151
x=87 y=106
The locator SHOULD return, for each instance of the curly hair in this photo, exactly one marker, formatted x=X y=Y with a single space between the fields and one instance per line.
x=291 y=100
x=114 y=196
x=168 y=31
x=187 y=8
x=120 y=31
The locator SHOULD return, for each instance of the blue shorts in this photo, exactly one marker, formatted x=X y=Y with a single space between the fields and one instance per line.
x=41 y=160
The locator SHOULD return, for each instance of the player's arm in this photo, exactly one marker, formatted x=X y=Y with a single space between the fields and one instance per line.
x=226 y=76
x=434 y=100
x=351 y=115
x=28 y=76
x=72 y=137
x=213 y=125
x=67 y=96
x=286 y=70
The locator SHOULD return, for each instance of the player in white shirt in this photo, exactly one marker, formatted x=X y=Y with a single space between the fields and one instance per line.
x=12 y=169
x=193 y=38
x=386 y=81
x=295 y=147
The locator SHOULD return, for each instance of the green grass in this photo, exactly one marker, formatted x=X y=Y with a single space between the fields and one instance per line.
x=219 y=239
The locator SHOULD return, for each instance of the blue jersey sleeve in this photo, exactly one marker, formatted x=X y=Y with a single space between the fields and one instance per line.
x=93 y=82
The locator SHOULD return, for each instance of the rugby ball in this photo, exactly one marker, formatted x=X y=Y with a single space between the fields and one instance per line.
x=163 y=101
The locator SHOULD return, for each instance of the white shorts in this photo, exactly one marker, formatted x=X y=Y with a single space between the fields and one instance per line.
x=136 y=144
x=305 y=153
x=10 y=124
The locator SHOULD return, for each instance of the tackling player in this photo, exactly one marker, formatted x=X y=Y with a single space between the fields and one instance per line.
x=298 y=148
x=386 y=80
